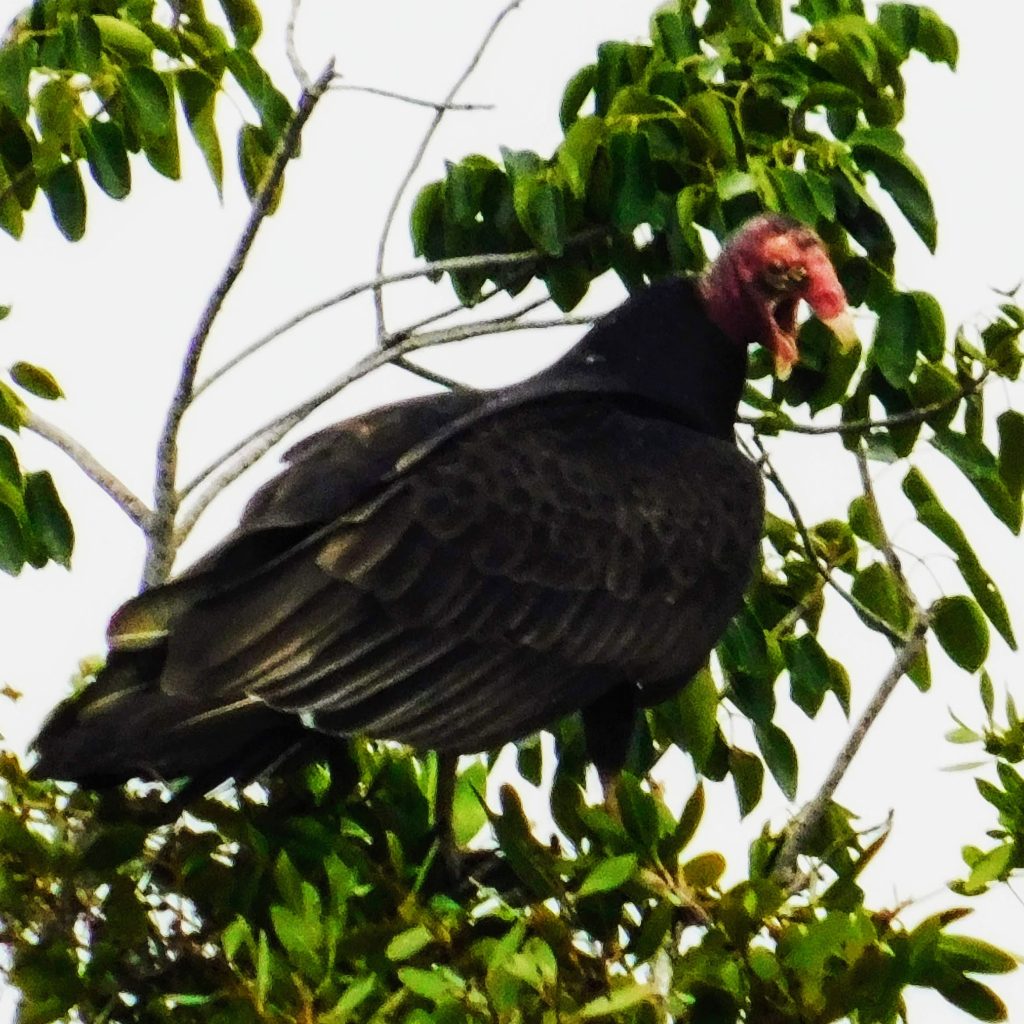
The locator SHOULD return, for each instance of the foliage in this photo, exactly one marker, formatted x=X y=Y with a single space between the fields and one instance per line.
x=89 y=85
x=323 y=898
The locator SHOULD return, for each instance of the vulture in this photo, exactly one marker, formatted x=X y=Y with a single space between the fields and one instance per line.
x=457 y=571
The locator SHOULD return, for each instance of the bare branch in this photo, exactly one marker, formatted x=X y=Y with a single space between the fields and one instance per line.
x=805 y=823
x=882 y=535
x=389 y=218
x=825 y=571
x=438 y=105
x=430 y=375
x=252 y=448
x=498 y=259
x=132 y=506
x=896 y=419
x=161 y=554
x=298 y=68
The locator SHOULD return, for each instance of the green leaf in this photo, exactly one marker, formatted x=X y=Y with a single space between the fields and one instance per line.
x=579 y=87
x=353 y=997
x=245 y=21
x=930 y=326
x=1011 y=452
x=863 y=522
x=796 y=194
x=779 y=755
x=980 y=467
x=880 y=151
x=433 y=985
x=971 y=996
x=84 y=45
x=633 y=188
x=149 y=99
x=541 y=212
x=748 y=778
x=639 y=812
x=124 y=39
x=935 y=518
x=576 y=154
x=622 y=998
x=198 y=96
x=810 y=675
x=704 y=871
x=36 y=381
x=49 y=518
x=405 y=945
x=974 y=955
x=13 y=551
x=469 y=814
x=878 y=590
x=692 y=717
x=961 y=629
x=711 y=113
x=274 y=109
x=66 y=197
x=609 y=874
x=108 y=158
x=12 y=409
x=15 y=67
x=896 y=338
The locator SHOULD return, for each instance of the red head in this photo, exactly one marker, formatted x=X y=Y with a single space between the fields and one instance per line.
x=753 y=290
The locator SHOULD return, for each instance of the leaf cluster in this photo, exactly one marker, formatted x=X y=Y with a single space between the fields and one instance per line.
x=323 y=899
x=88 y=85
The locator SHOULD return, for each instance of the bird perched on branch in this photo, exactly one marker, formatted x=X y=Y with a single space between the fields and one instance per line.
x=460 y=570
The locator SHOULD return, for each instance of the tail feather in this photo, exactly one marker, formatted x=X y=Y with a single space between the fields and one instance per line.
x=123 y=727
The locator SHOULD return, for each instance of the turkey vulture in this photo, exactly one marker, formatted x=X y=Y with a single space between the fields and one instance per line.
x=460 y=570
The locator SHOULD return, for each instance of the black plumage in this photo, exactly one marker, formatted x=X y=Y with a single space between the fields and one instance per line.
x=452 y=572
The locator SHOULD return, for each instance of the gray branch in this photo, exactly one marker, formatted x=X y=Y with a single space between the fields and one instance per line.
x=497 y=259
x=247 y=452
x=132 y=506
x=389 y=219
x=415 y=101
x=810 y=817
x=160 y=554
x=825 y=571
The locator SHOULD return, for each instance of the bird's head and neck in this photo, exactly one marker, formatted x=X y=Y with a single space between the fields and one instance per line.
x=682 y=344
x=753 y=290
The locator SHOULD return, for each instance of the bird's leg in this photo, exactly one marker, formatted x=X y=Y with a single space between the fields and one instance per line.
x=609 y=724
x=444 y=812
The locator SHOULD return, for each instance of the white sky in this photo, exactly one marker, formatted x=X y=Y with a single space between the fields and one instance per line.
x=110 y=317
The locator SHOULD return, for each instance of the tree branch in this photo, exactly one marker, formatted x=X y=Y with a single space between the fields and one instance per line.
x=417 y=159
x=132 y=506
x=897 y=419
x=438 y=105
x=165 y=501
x=298 y=68
x=497 y=259
x=877 y=623
x=252 y=448
x=801 y=828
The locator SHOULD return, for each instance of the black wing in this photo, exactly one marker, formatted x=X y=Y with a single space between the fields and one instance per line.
x=483 y=588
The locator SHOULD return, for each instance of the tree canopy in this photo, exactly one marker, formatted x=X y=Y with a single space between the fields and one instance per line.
x=319 y=896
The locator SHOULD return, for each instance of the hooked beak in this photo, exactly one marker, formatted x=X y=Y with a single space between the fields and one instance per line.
x=843 y=328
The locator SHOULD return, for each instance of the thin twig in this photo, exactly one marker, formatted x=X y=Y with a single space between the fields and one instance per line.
x=432 y=376
x=476 y=328
x=252 y=448
x=438 y=105
x=801 y=828
x=824 y=571
x=882 y=535
x=497 y=259
x=298 y=68
x=165 y=501
x=897 y=419
x=132 y=506
x=417 y=159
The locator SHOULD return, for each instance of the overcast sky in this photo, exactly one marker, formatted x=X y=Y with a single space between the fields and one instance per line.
x=110 y=317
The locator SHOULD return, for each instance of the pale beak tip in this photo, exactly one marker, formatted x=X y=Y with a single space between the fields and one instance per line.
x=843 y=327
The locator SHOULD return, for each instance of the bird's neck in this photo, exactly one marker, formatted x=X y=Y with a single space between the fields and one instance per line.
x=664 y=347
